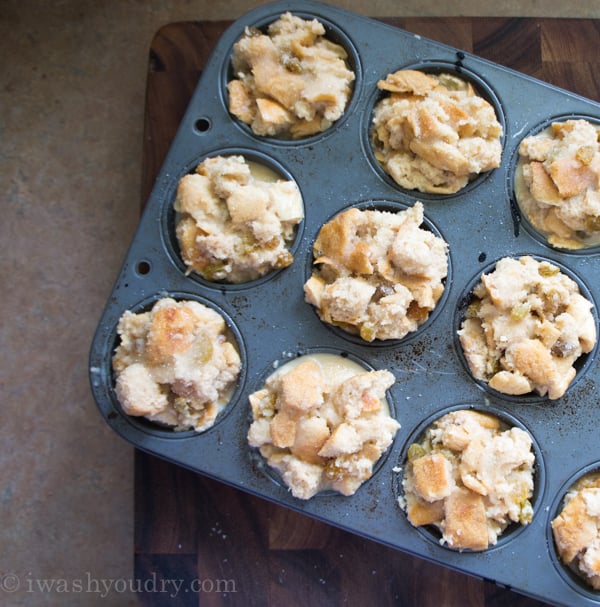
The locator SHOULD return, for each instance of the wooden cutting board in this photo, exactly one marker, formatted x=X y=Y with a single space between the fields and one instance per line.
x=199 y=542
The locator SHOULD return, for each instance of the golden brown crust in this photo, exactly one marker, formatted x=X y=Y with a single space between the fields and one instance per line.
x=542 y=186
x=421 y=513
x=573 y=529
x=310 y=436
x=465 y=521
x=321 y=421
x=535 y=361
x=175 y=364
x=433 y=477
x=171 y=332
x=302 y=388
x=474 y=471
x=434 y=133
x=283 y=430
x=408 y=81
x=571 y=178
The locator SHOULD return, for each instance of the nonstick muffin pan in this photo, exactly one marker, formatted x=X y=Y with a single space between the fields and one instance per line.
x=272 y=323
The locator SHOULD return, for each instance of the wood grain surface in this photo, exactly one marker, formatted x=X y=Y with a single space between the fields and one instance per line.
x=229 y=548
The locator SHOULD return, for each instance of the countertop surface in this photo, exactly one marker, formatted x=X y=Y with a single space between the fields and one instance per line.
x=75 y=94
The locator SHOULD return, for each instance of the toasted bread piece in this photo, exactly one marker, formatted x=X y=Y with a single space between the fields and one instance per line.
x=138 y=393
x=283 y=430
x=432 y=477
x=420 y=512
x=542 y=186
x=171 y=332
x=465 y=521
x=302 y=388
x=571 y=177
x=408 y=81
x=574 y=529
x=533 y=360
x=311 y=433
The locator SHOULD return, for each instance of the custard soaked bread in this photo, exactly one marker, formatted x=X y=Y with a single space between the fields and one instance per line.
x=175 y=364
x=323 y=422
x=377 y=274
x=434 y=133
x=291 y=81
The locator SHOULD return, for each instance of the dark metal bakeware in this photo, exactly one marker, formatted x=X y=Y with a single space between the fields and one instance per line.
x=336 y=170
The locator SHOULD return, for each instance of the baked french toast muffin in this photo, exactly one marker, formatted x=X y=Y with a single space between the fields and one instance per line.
x=377 y=274
x=576 y=529
x=526 y=327
x=291 y=81
x=236 y=220
x=175 y=364
x=557 y=183
x=433 y=132
x=470 y=476
x=322 y=421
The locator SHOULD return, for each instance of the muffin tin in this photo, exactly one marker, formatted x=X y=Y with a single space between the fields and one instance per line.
x=272 y=323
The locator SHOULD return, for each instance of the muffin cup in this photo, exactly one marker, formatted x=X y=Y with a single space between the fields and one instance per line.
x=169 y=218
x=427 y=224
x=568 y=573
x=513 y=185
x=581 y=365
x=433 y=67
x=259 y=462
x=513 y=530
x=333 y=33
x=156 y=428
